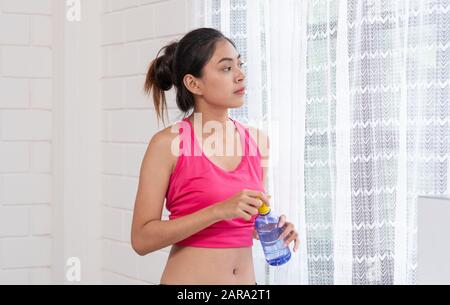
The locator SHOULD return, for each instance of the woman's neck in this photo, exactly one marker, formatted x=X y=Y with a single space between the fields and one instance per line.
x=205 y=117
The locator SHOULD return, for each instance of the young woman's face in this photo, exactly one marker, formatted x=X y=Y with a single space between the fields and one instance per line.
x=223 y=76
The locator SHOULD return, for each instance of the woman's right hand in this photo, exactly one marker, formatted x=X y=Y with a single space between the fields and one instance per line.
x=243 y=204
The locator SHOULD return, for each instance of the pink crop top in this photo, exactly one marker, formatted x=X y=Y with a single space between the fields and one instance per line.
x=197 y=182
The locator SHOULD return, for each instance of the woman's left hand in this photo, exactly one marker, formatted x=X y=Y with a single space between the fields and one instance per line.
x=255 y=234
x=289 y=234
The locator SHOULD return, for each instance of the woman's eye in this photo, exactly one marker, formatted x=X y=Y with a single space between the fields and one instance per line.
x=242 y=64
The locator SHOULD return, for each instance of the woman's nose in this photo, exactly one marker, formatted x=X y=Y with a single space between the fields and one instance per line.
x=240 y=77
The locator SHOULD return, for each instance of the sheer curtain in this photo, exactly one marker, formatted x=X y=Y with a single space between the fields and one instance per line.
x=355 y=97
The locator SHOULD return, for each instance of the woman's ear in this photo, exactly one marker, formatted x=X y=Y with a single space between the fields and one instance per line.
x=192 y=84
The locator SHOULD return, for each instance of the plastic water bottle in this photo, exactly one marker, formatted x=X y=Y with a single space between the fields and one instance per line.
x=275 y=251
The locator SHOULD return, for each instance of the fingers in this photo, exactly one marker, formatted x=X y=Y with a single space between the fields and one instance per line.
x=255 y=234
x=290 y=234
x=293 y=237
x=257 y=194
x=286 y=231
x=296 y=243
x=245 y=215
x=254 y=202
x=281 y=221
x=250 y=209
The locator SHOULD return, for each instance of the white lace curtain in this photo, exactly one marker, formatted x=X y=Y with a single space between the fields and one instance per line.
x=355 y=97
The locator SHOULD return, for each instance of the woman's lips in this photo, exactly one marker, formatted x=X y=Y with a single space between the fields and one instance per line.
x=240 y=92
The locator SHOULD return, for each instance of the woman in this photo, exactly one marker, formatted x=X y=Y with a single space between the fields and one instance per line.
x=213 y=198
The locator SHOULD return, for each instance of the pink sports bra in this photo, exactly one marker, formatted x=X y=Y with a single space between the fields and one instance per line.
x=197 y=182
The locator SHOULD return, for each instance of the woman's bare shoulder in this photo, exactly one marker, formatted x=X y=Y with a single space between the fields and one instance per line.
x=169 y=133
x=165 y=145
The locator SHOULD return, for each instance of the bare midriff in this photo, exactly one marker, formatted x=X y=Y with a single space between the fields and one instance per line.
x=209 y=266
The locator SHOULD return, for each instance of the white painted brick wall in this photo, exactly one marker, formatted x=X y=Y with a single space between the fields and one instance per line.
x=132 y=33
x=25 y=141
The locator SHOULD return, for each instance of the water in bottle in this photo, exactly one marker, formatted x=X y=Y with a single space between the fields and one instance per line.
x=275 y=251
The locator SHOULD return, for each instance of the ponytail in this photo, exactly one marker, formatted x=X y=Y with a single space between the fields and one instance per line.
x=160 y=78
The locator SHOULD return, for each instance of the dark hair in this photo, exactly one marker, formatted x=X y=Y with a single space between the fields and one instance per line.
x=188 y=56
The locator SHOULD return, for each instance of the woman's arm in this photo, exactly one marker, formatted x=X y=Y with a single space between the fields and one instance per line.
x=158 y=234
x=149 y=233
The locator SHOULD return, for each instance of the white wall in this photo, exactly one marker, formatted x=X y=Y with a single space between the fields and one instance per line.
x=76 y=145
x=25 y=141
x=133 y=32
x=74 y=126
